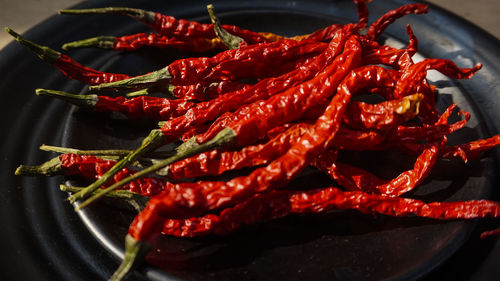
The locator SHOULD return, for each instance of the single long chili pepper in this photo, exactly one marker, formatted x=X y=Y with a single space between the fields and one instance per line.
x=376 y=28
x=208 y=111
x=253 y=61
x=142 y=106
x=67 y=65
x=136 y=41
x=281 y=203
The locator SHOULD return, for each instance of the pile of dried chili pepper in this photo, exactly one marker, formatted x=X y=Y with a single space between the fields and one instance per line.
x=272 y=105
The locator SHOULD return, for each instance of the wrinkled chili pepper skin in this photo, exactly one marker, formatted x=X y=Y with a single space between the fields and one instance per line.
x=281 y=203
x=168 y=25
x=209 y=195
x=216 y=162
x=257 y=118
x=139 y=40
x=253 y=61
x=208 y=111
x=201 y=92
x=89 y=76
x=143 y=106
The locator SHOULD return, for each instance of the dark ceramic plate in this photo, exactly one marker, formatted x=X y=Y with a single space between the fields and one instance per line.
x=43 y=239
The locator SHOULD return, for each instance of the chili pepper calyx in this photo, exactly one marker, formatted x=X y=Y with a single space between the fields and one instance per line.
x=103 y=42
x=49 y=168
x=138 y=82
x=43 y=52
x=231 y=41
x=88 y=101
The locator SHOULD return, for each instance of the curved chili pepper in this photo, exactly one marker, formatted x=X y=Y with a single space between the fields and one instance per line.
x=376 y=28
x=354 y=178
x=67 y=65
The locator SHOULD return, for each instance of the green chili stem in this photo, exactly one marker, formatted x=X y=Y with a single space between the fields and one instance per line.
x=225 y=136
x=45 y=53
x=152 y=141
x=138 y=201
x=156 y=78
x=142 y=92
x=144 y=16
x=103 y=42
x=135 y=251
x=231 y=41
x=86 y=101
x=108 y=153
x=49 y=168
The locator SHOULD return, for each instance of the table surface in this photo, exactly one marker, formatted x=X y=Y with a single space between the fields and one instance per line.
x=21 y=15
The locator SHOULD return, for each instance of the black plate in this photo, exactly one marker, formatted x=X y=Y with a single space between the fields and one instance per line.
x=43 y=239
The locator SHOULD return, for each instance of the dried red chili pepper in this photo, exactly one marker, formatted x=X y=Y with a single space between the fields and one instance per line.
x=170 y=26
x=253 y=61
x=384 y=115
x=200 y=92
x=208 y=111
x=412 y=77
x=354 y=178
x=278 y=204
x=67 y=65
x=376 y=28
x=136 y=41
x=137 y=107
